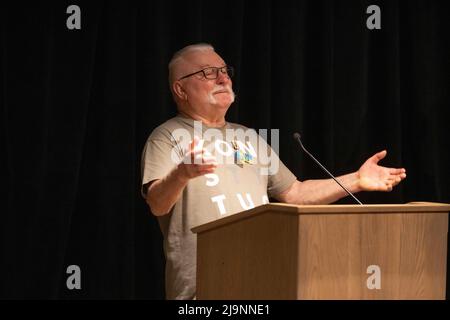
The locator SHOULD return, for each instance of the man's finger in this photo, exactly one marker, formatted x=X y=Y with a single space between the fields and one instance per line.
x=388 y=186
x=192 y=155
x=397 y=181
x=193 y=143
x=197 y=147
x=400 y=176
x=397 y=170
x=209 y=158
x=380 y=155
x=205 y=168
x=196 y=144
x=202 y=156
x=390 y=180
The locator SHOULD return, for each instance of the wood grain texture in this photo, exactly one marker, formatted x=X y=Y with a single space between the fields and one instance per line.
x=284 y=253
x=336 y=250
x=419 y=207
x=253 y=259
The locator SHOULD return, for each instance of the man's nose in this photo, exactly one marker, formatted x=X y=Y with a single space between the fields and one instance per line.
x=223 y=78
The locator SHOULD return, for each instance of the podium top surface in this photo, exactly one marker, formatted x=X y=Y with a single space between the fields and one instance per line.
x=283 y=208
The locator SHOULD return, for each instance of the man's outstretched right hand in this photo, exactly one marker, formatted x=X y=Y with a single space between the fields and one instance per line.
x=196 y=162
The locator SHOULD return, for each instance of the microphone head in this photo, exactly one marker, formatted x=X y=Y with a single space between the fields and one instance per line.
x=297 y=136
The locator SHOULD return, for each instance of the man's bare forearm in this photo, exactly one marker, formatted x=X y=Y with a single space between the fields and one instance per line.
x=322 y=191
x=162 y=194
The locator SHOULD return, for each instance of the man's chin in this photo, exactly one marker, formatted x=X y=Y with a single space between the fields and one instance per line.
x=224 y=104
x=224 y=95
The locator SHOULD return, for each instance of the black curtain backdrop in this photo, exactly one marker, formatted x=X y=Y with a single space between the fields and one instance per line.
x=77 y=106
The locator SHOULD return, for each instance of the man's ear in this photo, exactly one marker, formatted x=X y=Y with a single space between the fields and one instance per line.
x=179 y=91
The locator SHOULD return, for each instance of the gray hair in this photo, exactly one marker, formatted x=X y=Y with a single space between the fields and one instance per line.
x=179 y=56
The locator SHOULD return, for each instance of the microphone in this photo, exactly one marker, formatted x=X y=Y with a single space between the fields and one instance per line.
x=297 y=137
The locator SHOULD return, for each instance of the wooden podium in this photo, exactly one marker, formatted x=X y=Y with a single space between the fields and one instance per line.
x=280 y=251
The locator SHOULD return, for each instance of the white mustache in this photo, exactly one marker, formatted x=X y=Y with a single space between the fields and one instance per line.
x=226 y=88
x=222 y=88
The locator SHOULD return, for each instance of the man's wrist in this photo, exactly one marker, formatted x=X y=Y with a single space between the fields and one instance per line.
x=180 y=173
x=355 y=184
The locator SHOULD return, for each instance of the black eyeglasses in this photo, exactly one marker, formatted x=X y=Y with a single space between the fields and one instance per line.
x=212 y=73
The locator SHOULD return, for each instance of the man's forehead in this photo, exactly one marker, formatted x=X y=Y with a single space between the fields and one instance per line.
x=203 y=59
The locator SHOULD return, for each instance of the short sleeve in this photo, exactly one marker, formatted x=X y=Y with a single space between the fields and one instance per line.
x=159 y=157
x=280 y=177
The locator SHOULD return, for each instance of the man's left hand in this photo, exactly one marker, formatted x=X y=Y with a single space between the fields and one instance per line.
x=373 y=177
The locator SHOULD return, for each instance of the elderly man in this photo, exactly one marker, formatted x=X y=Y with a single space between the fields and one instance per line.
x=184 y=183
